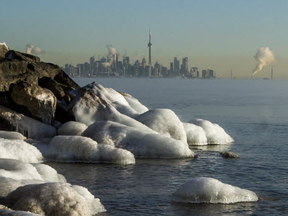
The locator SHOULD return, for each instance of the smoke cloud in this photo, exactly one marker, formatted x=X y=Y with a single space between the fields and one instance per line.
x=264 y=57
x=112 y=52
x=34 y=50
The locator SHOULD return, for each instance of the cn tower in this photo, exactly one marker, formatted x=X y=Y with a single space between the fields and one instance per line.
x=149 y=45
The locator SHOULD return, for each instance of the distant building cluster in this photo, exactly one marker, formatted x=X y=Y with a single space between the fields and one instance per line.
x=111 y=66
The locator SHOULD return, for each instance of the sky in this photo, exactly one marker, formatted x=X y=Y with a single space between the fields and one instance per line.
x=222 y=35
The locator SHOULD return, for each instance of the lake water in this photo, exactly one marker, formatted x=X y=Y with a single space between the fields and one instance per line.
x=253 y=112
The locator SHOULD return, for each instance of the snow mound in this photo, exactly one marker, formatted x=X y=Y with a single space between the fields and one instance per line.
x=164 y=121
x=214 y=133
x=195 y=134
x=11 y=135
x=14 y=173
x=209 y=190
x=51 y=199
x=141 y=143
x=72 y=128
x=78 y=148
x=19 y=150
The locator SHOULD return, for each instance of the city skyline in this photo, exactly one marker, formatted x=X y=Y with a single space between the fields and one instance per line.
x=223 y=35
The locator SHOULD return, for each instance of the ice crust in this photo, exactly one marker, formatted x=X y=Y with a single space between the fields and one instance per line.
x=72 y=128
x=210 y=190
x=84 y=149
x=19 y=150
x=141 y=143
x=14 y=173
x=214 y=133
x=164 y=121
x=52 y=199
x=11 y=135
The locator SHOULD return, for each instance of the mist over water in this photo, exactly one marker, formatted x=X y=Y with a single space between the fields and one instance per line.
x=253 y=112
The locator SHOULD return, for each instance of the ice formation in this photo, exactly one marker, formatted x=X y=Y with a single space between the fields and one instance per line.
x=135 y=104
x=19 y=150
x=214 y=133
x=16 y=213
x=11 y=135
x=4 y=44
x=72 y=128
x=84 y=149
x=164 y=121
x=14 y=173
x=195 y=134
x=141 y=143
x=51 y=199
x=209 y=190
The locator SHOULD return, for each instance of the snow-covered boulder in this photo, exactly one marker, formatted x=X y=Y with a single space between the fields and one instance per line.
x=141 y=143
x=84 y=149
x=19 y=150
x=14 y=173
x=164 y=121
x=11 y=135
x=210 y=190
x=214 y=133
x=52 y=199
x=195 y=134
x=72 y=128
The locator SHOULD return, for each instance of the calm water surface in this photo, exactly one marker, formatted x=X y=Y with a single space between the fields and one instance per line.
x=253 y=112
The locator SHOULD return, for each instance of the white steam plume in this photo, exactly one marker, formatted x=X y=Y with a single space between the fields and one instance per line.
x=112 y=52
x=264 y=56
x=34 y=50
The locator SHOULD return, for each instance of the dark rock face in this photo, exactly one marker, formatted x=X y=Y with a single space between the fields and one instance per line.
x=39 y=101
x=36 y=89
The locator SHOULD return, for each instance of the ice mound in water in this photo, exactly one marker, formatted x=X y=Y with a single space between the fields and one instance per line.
x=164 y=121
x=195 y=134
x=209 y=190
x=19 y=150
x=83 y=149
x=52 y=199
x=141 y=143
x=135 y=104
x=214 y=133
x=11 y=135
x=72 y=128
x=14 y=173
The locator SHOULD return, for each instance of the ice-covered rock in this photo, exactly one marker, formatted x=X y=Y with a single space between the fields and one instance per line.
x=84 y=149
x=135 y=104
x=19 y=150
x=214 y=133
x=209 y=190
x=72 y=128
x=7 y=212
x=11 y=135
x=3 y=50
x=195 y=134
x=14 y=173
x=52 y=199
x=164 y=121
x=141 y=143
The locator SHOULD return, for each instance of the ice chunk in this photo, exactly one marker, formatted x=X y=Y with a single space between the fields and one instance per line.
x=72 y=128
x=209 y=190
x=195 y=134
x=7 y=212
x=164 y=121
x=135 y=104
x=84 y=149
x=19 y=150
x=14 y=173
x=141 y=143
x=214 y=133
x=11 y=135
x=51 y=199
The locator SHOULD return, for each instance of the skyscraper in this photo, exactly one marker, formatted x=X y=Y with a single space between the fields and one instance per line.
x=149 y=45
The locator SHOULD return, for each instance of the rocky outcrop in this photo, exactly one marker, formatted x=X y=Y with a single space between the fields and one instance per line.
x=36 y=89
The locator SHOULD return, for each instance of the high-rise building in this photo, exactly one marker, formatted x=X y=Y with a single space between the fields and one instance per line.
x=184 y=66
x=149 y=45
x=176 y=65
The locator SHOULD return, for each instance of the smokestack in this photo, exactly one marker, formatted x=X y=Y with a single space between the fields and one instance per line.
x=272 y=72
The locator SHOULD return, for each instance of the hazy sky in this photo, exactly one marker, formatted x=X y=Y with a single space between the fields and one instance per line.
x=217 y=34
